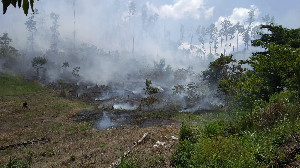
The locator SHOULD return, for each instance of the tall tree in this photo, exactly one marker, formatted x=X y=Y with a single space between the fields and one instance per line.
x=5 y=40
x=226 y=28
x=268 y=19
x=55 y=33
x=8 y=54
x=212 y=31
x=247 y=37
x=239 y=29
x=248 y=31
x=38 y=63
x=31 y=27
x=131 y=8
x=201 y=32
x=181 y=35
x=144 y=15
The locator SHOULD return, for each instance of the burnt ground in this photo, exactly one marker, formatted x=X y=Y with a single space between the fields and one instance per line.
x=73 y=139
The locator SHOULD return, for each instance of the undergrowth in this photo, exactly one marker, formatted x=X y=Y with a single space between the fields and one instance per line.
x=266 y=137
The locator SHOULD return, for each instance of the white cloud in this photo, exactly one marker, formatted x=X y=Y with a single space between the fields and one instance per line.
x=183 y=8
x=209 y=13
x=240 y=15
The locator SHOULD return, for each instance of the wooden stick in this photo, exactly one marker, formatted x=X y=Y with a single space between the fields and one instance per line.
x=117 y=162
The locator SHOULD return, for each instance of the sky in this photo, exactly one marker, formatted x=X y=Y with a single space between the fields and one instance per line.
x=104 y=22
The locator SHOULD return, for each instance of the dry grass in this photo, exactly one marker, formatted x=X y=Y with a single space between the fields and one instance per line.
x=72 y=144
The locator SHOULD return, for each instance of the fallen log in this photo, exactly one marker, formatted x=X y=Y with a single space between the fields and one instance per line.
x=33 y=141
x=117 y=162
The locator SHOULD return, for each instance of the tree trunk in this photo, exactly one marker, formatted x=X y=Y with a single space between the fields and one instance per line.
x=237 y=42
x=298 y=96
x=221 y=42
x=37 y=72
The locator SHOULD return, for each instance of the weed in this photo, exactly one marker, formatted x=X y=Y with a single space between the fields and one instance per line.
x=129 y=163
x=218 y=128
x=183 y=154
x=79 y=127
x=15 y=163
x=48 y=153
x=157 y=161
x=56 y=127
x=101 y=145
x=72 y=158
x=187 y=132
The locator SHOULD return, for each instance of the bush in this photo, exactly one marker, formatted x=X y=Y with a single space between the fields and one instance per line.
x=218 y=128
x=187 y=132
x=261 y=138
x=183 y=154
x=285 y=97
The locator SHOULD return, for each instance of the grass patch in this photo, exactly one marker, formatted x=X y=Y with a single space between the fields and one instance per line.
x=101 y=145
x=79 y=127
x=13 y=85
x=130 y=162
x=159 y=113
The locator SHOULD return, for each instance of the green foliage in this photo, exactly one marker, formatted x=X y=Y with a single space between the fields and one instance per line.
x=38 y=63
x=7 y=53
x=161 y=70
x=80 y=127
x=187 y=132
x=15 y=163
x=48 y=153
x=217 y=128
x=220 y=69
x=129 y=163
x=257 y=139
x=150 y=89
x=183 y=154
x=25 y=5
x=279 y=65
x=224 y=73
x=288 y=96
x=14 y=85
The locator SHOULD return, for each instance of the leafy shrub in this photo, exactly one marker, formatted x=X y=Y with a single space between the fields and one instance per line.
x=149 y=88
x=218 y=128
x=223 y=152
x=183 y=154
x=187 y=132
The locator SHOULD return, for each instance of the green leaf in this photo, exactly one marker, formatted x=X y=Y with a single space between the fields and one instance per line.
x=31 y=5
x=6 y=3
x=14 y=3
x=19 y=3
x=25 y=6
